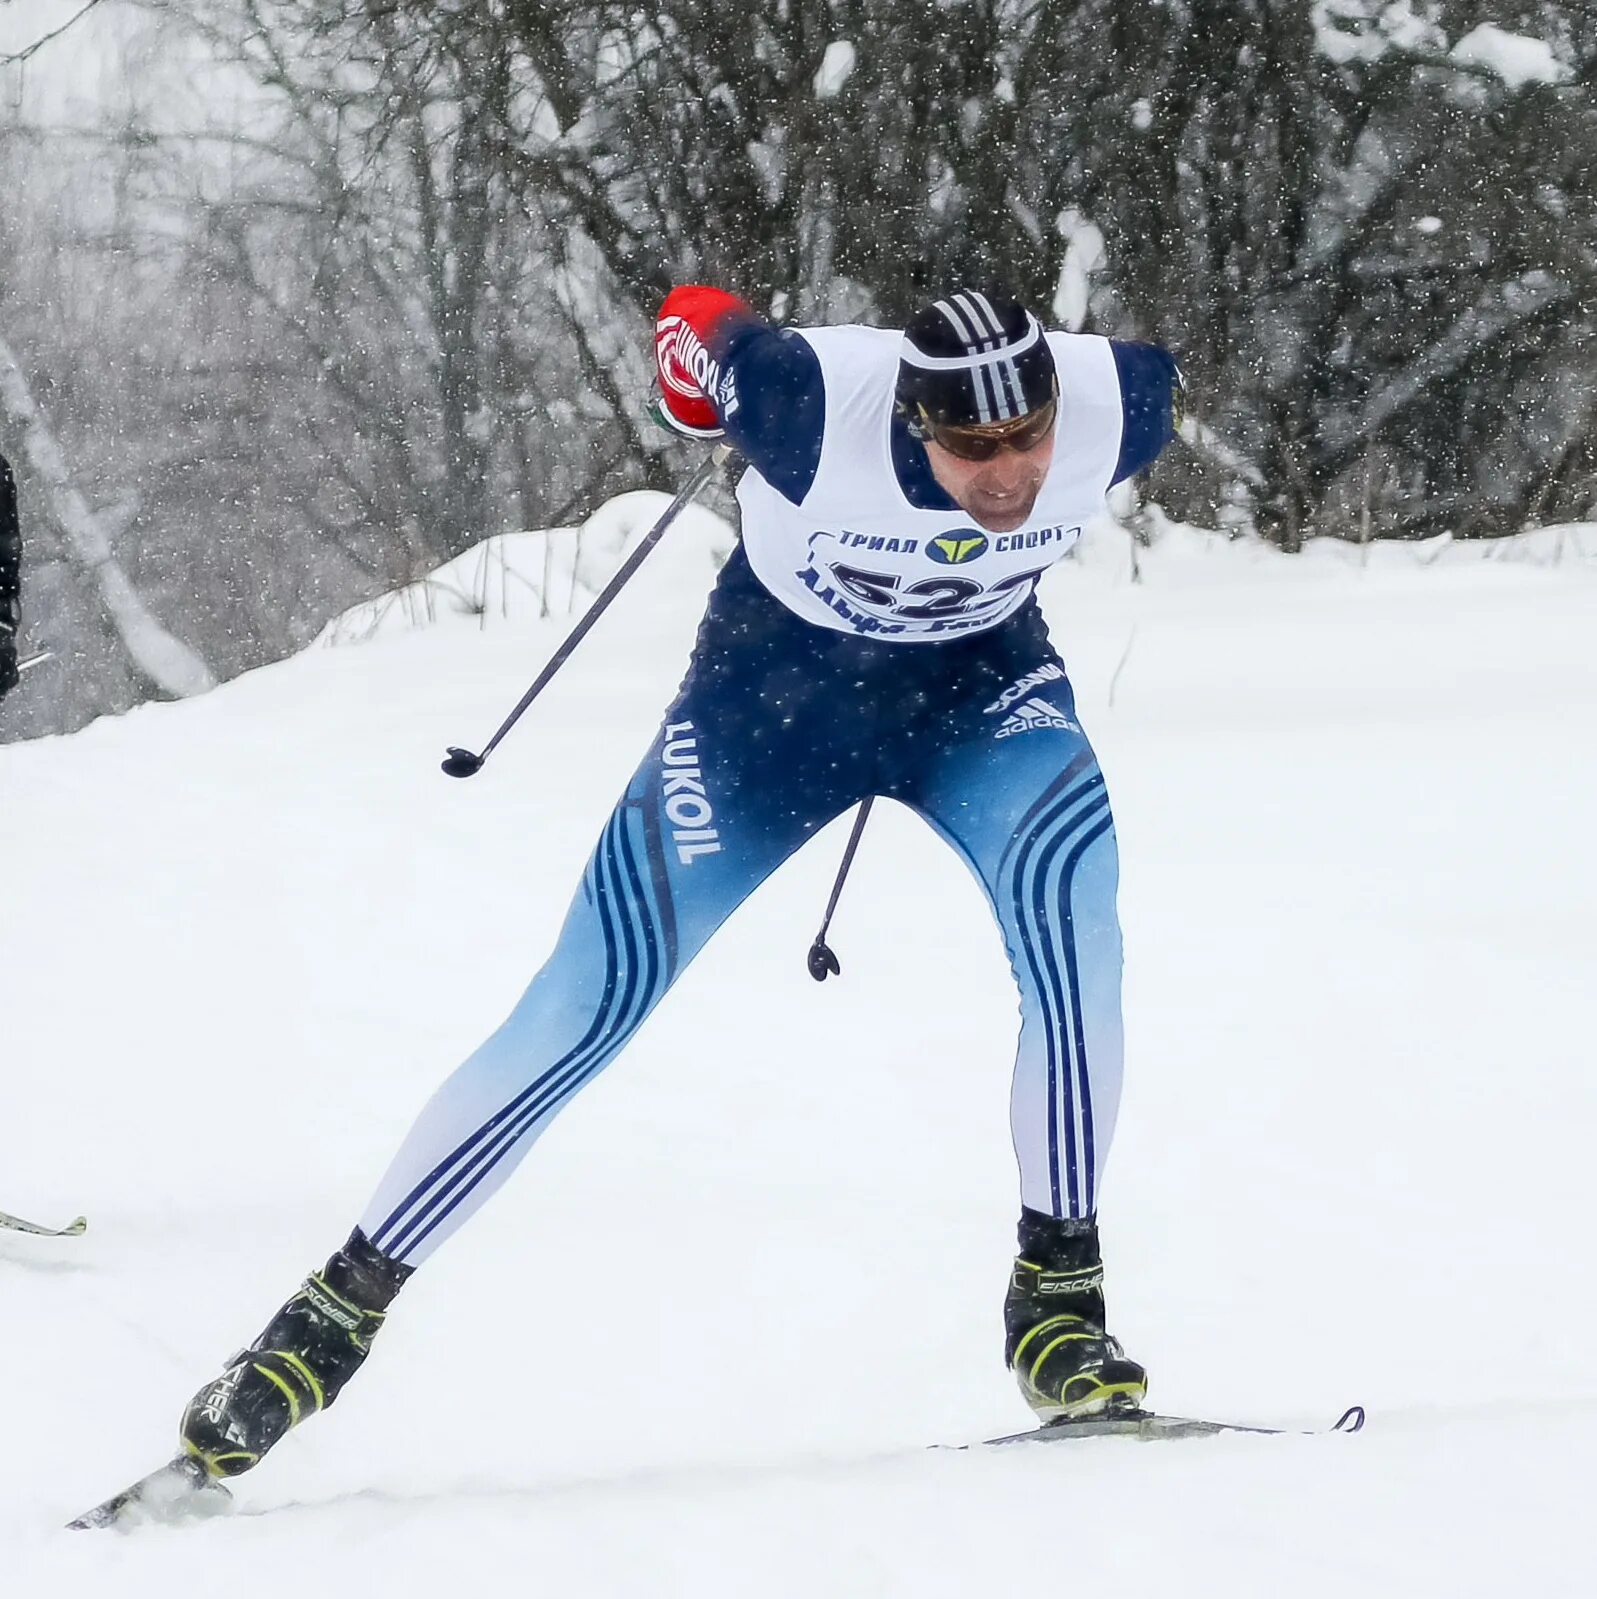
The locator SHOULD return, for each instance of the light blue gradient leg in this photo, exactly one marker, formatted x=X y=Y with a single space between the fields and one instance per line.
x=680 y=852
x=1030 y=815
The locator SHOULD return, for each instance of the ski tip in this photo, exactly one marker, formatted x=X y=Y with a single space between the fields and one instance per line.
x=18 y=1224
x=1351 y=1420
x=92 y=1520
x=182 y=1490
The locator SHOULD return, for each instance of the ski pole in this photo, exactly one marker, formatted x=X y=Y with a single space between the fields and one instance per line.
x=821 y=959
x=36 y=660
x=462 y=763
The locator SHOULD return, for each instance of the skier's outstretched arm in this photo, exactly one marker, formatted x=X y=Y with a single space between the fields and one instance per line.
x=724 y=371
x=1152 y=394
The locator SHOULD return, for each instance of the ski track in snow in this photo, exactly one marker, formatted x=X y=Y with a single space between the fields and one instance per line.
x=702 y=1342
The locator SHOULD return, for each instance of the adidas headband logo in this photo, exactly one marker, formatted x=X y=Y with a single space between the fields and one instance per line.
x=989 y=359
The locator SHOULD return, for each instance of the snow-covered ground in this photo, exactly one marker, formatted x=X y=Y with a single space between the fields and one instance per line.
x=699 y=1344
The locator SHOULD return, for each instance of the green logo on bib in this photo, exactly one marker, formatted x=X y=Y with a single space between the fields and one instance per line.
x=954 y=549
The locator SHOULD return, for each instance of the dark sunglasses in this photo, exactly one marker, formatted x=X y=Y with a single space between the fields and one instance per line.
x=982 y=443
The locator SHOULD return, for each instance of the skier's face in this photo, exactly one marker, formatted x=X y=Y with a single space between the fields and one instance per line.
x=999 y=493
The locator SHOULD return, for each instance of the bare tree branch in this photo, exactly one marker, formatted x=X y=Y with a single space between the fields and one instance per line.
x=17 y=56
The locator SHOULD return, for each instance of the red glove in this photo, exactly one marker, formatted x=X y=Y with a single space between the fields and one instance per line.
x=685 y=332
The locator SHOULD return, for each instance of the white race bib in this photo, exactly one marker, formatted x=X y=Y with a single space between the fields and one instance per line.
x=856 y=556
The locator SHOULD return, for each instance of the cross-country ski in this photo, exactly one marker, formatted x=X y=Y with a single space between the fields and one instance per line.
x=15 y=1224
x=182 y=1490
x=1150 y=1426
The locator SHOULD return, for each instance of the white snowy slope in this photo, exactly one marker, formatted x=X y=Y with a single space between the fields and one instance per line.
x=699 y=1344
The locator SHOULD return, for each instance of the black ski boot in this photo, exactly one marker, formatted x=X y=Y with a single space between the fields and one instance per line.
x=1055 y=1343
x=298 y=1366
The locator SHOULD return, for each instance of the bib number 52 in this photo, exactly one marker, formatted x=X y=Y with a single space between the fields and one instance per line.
x=927 y=599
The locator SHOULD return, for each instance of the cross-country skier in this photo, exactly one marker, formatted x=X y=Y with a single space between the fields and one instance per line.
x=876 y=633
x=10 y=578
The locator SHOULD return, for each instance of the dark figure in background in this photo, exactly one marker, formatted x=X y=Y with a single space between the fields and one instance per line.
x=10 y=578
